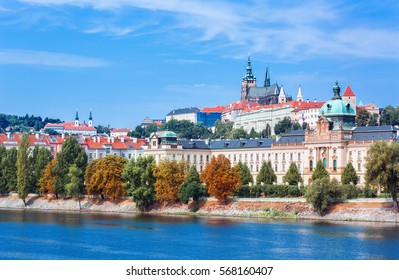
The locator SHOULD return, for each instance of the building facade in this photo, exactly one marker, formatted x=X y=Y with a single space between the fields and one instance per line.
x=73 y=128
x=189 y=114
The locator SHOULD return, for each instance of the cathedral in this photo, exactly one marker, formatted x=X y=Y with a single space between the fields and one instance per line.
x=266 y=95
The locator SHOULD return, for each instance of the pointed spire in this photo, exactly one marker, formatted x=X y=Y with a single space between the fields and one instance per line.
x=299 y=96
x=267 y=78
x=77 y=115
x=249 y=75
x=281 y=97
x=91 y=116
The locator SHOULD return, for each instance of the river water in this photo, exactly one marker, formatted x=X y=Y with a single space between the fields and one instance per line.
x=42 y=235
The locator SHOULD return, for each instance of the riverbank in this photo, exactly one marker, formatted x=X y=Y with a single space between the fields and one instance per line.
x=378 y=210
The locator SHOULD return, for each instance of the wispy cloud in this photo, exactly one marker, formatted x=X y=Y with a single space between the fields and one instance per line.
x=194 y=89
x=287 y=30
x=42 y=58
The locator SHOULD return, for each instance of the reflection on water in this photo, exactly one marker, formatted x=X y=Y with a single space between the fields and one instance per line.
x=74 y=235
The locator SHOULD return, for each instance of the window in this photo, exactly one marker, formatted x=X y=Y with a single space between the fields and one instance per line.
x=359 y=154
x=335 y=151
x=283 y=156
x=207 y=158
x=235 y=158
x=283 y=167
x=114 y=154
x=311 y=151
x=276 y=157
x=252 y=157
x=101 y=155
x=154 y=143
x=335 y=164
x=174 y=157
x=350 y=154
x=257 y=167
x=201 y=158
x=195 y=158
x=90 y=156
x=108 y=150
x=299 y=166
x=130 y=156
x=188 y=157
x=299 y=156
x=311 y=165
x=359 y=166
x=325 y=162
x=275 y=168
x=291 y=156
x=252 y=168
x=257 y=157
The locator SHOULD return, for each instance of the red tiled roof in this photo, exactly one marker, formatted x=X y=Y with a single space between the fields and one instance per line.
x=308 y=105
x=348 y=92
x=71 y=126
x=271 y=106
x=241 y=105
x=120 y=130
x=217 y=109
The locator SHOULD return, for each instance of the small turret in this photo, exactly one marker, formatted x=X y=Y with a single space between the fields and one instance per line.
x=282 y=98
x=299 y=96
x=90 y=119
x=77 y=118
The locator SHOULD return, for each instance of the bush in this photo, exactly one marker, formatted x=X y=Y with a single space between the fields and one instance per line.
x=350 y=191
x=257 y=190
x=294 y=191
x=243 y=191
x=369 y=192
x=319 y=194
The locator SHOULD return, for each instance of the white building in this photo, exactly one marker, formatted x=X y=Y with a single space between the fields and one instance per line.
x=189 y=114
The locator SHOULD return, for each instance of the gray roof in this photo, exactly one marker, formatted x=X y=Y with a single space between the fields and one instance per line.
x=294 y=136
x=384 y=132
x=256 y=92
x=241 y=144
x=183 y=111
x=193 y=144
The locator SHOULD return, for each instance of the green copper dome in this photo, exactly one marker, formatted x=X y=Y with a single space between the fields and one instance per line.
x=341 y=113
x=163 y=134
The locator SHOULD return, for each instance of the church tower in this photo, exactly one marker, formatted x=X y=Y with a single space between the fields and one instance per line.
x=350 y=97
x=299 y=96
x=267 y=78
x=249 y=80
x=77 y=118
x=91 y=120
x=282 y=98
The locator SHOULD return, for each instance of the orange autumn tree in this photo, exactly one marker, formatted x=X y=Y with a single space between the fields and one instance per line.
x=107 y=177
x=90 y=186
x=220 y=178
x=169 y=175
x=48 y=178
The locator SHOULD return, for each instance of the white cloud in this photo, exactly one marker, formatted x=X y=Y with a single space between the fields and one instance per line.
x=42 y=58
x=289 y=31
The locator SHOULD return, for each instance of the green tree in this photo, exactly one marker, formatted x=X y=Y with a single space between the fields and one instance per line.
x=320 y=171
x=390 y=116
x=3 y=183
x=382 y=168
x=192 y=187
x=41 y=156
x=139 y=178
x=293 y=176
x=321 y=193
x=23 y=168
x=296 y=126
x=374 y=120
x=253 y=134
x=362 y=117
x=244 y=173
x=138 y=132
x=150 y=129
x=75 y=183
x=71 y=153
x=9 y=169
x=223 y=130
x=266 y=174
x=349 y=175
x=283 y=126
x=103 y=129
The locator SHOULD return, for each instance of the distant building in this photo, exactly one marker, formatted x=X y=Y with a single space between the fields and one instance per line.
x=119 y=132
x=147 y=121
x=266 y=95
x=307 y=111
x=73 y=128
x=350 y=97
x=209 y=116
x=231 y=110
x=189 y=114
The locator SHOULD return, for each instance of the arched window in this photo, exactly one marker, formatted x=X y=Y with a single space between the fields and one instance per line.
x=335 y=165
x=325 y=162
x=311 y=165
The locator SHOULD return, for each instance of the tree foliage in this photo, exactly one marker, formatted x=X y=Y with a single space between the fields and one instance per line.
x=293 y=176
x=187 y=129
x=320 y=171
x=41 y=156
x=90 y=184
x=321 y=193
x=382 y=168
x=283 y=126
x=9 y=169
x=192 y=187
x=223 y=130
x=22 y=123
x=362 y=117
x=107 y=178
x=140 y=180
x=244 y=173
x=23 y=168
x=71 y=153
x=3 y=183
x=390 y=116
x=349 y=176
x=169 y=175
x=266 y=174
x=75 y=182
x=49 y=178
x=220 y=178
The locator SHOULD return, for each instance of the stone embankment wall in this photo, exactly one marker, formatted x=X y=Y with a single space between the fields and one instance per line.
x=351 y=210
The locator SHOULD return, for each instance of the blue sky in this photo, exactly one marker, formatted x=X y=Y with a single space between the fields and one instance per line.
x=128 y=59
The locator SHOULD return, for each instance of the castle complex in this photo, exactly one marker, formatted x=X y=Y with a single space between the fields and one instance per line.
x=335 y=141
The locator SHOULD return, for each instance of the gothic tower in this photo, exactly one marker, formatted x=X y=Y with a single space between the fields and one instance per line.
x=249 y=80
x=77 y=118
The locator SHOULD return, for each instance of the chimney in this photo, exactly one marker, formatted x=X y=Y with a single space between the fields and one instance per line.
x=8 y=135
x=63 y=136
x=98 y=139
x=112 y=139
x=307 y=100
x=134 y=140
x=314 y=100
x=108 y=140
x=123 y=139
x=37 y=136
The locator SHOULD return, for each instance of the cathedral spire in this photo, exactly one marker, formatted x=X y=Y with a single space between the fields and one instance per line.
x=249 y=76
x=267 y=78
x=91 y=116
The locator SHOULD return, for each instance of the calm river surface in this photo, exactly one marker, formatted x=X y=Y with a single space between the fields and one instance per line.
x=37 y=235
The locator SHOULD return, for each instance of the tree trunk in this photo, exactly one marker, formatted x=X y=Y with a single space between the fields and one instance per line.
x=80 y=207
x=395 y=201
